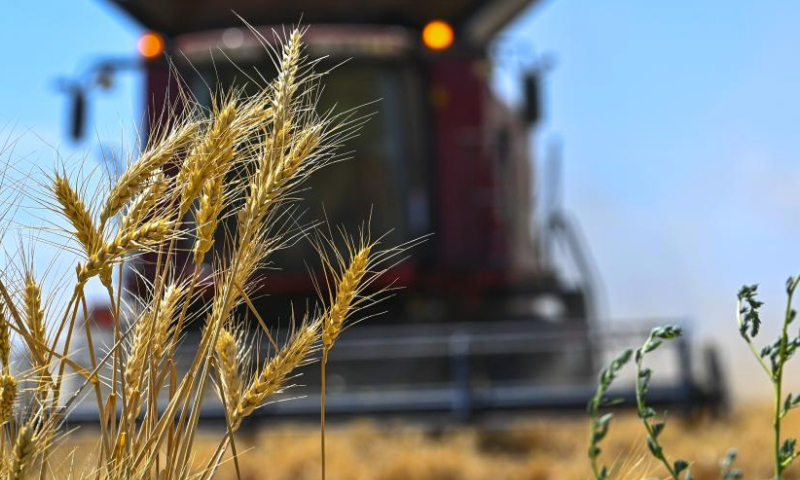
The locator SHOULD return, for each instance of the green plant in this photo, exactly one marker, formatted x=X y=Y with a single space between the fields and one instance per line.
x=772 y=358
x=727 y=470
x=777 y=354
x=647 y=414
x=600 y=424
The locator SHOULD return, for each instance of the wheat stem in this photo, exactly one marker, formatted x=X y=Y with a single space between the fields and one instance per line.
x=5 y=338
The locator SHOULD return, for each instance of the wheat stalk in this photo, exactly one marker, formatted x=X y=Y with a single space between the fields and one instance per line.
x=149 y=344
x=347 y=288
x=5 y=339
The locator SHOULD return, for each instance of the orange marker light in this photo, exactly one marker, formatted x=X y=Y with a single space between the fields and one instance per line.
x=438 y=35
x=150 y=45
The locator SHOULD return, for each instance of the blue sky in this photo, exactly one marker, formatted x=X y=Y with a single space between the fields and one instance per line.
x=42 y=42
x=679 y=123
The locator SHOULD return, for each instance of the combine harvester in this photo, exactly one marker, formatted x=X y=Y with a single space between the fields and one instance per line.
x=485 y=322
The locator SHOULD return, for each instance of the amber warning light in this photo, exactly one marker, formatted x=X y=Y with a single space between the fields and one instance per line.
x=438 y=35
x=150 y=45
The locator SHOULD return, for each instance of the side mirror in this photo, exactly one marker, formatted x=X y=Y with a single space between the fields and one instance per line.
x=77 y=113
x=532 y=112
x=533 y=84
x=98 y=75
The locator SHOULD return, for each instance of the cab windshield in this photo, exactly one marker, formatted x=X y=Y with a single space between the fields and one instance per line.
x=381 y=179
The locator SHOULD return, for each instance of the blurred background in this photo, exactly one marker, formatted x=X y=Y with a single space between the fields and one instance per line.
x=637 y=163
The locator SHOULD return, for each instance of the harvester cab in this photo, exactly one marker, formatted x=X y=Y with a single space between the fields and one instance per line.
x=440 y=154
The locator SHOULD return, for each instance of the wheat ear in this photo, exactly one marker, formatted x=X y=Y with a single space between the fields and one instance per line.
x=134 y=366
x=275 y=372
x=76 y=212
x=245 y=118
x=227 y=349
x=22 y=456
x=34 y=318
x=286 y=84
x=346 y=290
x=232 y=125
x=8 y=393
x=212 y=201
x=152 y=159
x=276 y=168
x=141 y=207
x=164 y=320
x=125 y=242
x=202 y=162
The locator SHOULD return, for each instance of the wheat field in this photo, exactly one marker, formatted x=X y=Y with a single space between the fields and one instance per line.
x=539 y=447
